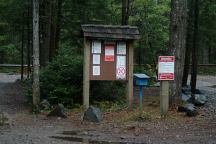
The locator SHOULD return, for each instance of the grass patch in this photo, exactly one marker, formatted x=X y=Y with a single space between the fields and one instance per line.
x=141 y=116
x=3 y=119
x=109 y=106
x=10 y=69
x=210 y=70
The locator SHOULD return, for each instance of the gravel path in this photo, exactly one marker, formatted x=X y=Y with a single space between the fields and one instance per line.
x=26 y=128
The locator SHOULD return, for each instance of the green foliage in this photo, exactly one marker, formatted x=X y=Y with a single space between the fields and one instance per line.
x=152 y=19
x=108 y=91
x=211 y=70
x=149 y=70
x=140 y=116
x=3 y=119
x=61 y=81
x=207 y=30
x=110 y=106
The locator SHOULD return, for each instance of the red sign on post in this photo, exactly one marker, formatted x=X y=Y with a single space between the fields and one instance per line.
x=166 y=68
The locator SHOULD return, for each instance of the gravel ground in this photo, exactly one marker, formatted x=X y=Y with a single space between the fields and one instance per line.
x=26 y=128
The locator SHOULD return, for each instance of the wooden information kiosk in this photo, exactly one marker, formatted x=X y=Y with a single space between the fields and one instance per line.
x=108 y=55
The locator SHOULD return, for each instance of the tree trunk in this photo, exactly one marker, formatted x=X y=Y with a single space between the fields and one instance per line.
x=22 y=48
x=45 y=28
x=53 y=47
x=28 y=46
x=189 y=42
x=36 y=64
x=195 y=48
x=58 y=27
x=125 y=11
x=2 y=57
x=177 y=44
x=206 y=55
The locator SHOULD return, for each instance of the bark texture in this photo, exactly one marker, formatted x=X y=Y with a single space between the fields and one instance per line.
x=195 y=48
x=189 y=41
x=125 y=11
x=177 y=44
x=36 y=64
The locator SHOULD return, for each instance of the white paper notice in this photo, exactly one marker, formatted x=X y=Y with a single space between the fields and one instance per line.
x=121 y=61
x=121 y=67
x=96 y=70
x=121 y=48
x=166 y=67
x=96 y=46
x=96 y=59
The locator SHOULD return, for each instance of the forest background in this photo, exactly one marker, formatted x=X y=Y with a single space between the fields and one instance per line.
x=61 y=39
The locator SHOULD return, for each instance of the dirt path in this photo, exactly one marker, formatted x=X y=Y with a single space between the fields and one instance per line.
x=26 y=128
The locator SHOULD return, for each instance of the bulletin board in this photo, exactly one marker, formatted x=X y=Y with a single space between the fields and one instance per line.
x=108 y=60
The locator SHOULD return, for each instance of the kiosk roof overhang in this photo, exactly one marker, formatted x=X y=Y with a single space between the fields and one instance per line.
x=111 y=32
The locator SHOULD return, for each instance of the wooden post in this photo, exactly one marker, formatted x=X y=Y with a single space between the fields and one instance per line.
x=129 y=90
x=86 y=69
x=164 y=97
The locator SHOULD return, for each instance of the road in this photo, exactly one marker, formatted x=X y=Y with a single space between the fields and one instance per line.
x=27 y=128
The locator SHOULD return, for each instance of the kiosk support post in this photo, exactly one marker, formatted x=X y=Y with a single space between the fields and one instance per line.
x=86 y=70
x=129 y=90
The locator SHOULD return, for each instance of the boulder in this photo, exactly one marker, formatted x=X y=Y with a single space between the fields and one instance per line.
x=189 y=108
x=93 y=114
x=58 y=111
x=197 y=91
x=200 y=99
x=45 y=104
x=185 y=97
x=186 y=90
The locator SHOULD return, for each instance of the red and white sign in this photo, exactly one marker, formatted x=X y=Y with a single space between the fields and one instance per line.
x=166 y=68
x=121 y=72
x=109 y=52
x=121 y=67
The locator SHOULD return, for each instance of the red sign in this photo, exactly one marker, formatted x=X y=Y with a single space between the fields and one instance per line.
x=109 y=52
x=166 y=68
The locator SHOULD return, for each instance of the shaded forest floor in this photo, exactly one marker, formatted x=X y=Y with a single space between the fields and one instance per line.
x=117 y=127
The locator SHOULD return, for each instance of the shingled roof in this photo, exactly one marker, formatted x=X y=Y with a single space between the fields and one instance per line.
x=111 y=31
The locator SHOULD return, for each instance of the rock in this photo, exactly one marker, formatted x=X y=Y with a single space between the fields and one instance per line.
x=93 y=114
x=45 y=104
x=185 y=97
x=186 y=90
x=58 y=111
x=181 y=109
x=200 y=99
x=189 y=108
x=197 y=91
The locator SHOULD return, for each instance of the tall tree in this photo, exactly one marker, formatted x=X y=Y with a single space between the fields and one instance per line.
x=195 y=48
x=189 y=38
x=177 y=44
x=45 y=31
x=125 y=11
x=36 y=64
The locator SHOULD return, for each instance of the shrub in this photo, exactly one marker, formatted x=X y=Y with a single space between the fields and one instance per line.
x=108 y=91
x=61 y=81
